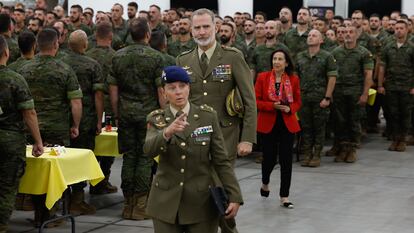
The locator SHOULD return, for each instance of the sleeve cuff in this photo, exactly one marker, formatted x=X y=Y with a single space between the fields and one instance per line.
x=77 y=94
x=29 y=104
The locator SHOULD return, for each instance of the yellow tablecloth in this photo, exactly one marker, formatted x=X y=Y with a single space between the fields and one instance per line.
x=51 y=175
x=106 y=144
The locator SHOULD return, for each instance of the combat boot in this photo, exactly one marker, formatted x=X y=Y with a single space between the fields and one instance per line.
x=351 y=156
x=18 y=205
x=316 y=157
x=401 y=144
x=307 y=152
x=78 y=206
x=3 y=228
x=128 y=205
x=394 y=144
x=28 y=203
x=334 y=151
x=140 y=203
x=103 y=187
x=343 y=151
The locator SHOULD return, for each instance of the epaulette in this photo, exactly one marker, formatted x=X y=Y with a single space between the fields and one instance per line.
x=230 y=49
x=156 y=118
x=185 y=52
x=206 y=108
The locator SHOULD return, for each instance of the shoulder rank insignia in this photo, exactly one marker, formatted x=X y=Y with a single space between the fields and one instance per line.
x=206 y=108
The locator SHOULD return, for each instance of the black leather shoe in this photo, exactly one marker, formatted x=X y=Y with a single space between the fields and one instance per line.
x=264 y=193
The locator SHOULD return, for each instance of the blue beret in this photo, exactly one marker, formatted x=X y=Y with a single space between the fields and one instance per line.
x=174 y=74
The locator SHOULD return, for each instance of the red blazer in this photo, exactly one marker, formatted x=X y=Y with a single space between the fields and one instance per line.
x=267 y=114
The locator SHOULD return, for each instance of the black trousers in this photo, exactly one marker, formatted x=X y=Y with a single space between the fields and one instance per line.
x=279 y=142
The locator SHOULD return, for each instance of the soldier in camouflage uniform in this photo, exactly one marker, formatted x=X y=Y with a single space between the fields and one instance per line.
x=6 y=31
x=295 y=38
x=117 y=43
x=27 y=45
x=103 y=54
x=90 y=77
x=120 y=25
x=227 y=38
x=16 y=107
x=261 y=60
x=317 y=71
x=396 y=81
x=185 y=42
x=57 y=95
x=136 y=75
x=76 y=12
x=355 y=65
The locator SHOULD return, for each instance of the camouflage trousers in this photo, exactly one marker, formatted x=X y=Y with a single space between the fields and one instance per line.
x=399 y=106
x=313 y=120
x=12 y=166
x=136 y=166
x=347 y=118
x=85 y=140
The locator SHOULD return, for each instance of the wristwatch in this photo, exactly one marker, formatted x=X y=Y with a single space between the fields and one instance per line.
x=327 y=98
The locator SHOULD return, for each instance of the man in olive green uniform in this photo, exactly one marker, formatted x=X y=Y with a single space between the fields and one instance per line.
x=190 y=144
x=16 y=108
x=295 y=38
x=355 y=65
x=136 y=70
x=227 y=38
x=103 y=54
x=6 y=31
x=90 y=78
x=58 y=96
x=185 y=42
x=27 y=46
x=76 y=12
x=396 y=81
x=120 y=25
x=260 y=60
x=215 y=71
x=317 y=71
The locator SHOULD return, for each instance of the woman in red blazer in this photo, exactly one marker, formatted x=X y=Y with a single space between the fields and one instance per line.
x=278 y=100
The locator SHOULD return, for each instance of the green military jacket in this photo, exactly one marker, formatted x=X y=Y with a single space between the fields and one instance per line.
x=180 y=189
x=351 y=66
x=20 y=62
x=104 y=55
x=136 y=70
x=168 y=60
x=314 y=73
x=53 y=84
x=117 y=43
x=177 y=47
x=82 y=27
x=13 y=48
x=260 y=60
x=295 y=42
x=368 y=42
x=122 y=31
x=398 y=63
x=227 y=70
x=14 y=97
x=91 y=79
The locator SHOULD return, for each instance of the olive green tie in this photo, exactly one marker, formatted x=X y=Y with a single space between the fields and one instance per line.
x=204 y=63
x=179 y=113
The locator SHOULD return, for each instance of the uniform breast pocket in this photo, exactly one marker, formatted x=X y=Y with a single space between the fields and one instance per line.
x=224 y=83
x=203 y=144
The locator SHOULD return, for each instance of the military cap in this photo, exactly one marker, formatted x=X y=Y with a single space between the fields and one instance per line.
x=174 y=74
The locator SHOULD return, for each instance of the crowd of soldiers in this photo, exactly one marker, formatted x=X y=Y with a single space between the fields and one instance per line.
x=82 y=64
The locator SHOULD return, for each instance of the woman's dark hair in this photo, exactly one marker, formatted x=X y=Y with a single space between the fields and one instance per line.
x=290 y=68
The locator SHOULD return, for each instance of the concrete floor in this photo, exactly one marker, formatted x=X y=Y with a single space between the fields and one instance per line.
x=373 y=195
